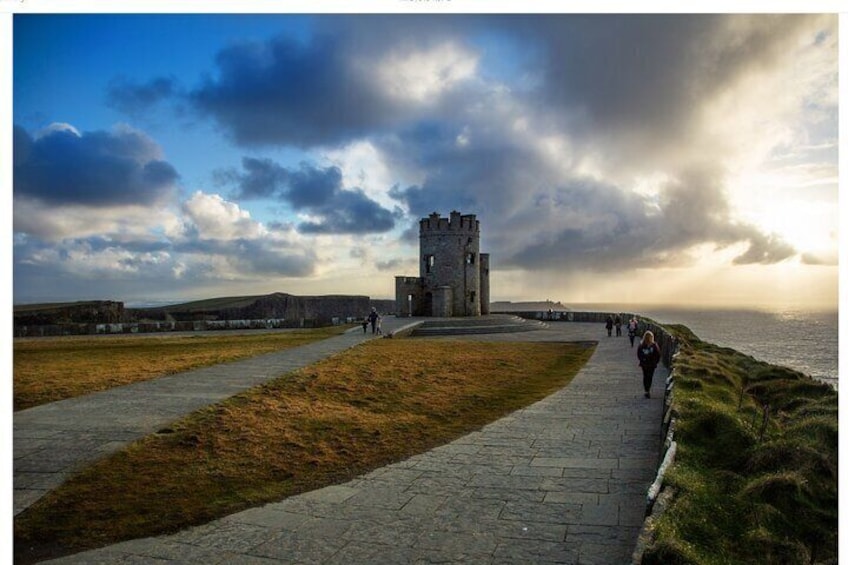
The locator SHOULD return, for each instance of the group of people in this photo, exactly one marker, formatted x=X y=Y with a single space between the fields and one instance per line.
x=632 y=327
x=376 y=322
x=648 y=353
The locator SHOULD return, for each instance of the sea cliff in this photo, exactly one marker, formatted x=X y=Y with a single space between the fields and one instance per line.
x=748 y=465
x=754 y=468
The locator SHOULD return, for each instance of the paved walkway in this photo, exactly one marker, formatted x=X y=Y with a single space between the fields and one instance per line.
x=562 y=481
x=53 y=440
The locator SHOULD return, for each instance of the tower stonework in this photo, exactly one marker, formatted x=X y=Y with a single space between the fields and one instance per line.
x=453 y=275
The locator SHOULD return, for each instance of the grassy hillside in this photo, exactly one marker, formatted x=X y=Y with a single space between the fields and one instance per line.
x=755 y=477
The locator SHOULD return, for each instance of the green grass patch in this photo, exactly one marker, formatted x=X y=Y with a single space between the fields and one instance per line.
x=370 y=406
x=47 y=369
x=755 y=475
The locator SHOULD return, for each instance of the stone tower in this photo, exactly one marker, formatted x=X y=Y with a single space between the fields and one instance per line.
x=453 y=275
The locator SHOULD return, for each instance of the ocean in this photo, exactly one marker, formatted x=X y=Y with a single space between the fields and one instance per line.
x=804 y=340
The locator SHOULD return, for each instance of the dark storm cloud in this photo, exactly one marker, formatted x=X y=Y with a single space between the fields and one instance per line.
x=350 y=211
x=316 y=191
x=623 y=71
x=285 y=92
x=539 y=219
x=629 y=74
x=627 y=92
x=135 y=99
x=321 y=91
x=93 y=169
x=262 y=178
x=313 y=188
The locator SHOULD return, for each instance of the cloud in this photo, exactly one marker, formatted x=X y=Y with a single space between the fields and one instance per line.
x=584 y=143
x=316 y=192
x=99 y=209
x=617 y=80
x=392 y=265
x=353 y=77
x=215 y=227
x=285 y=92
x=213 y=218
x=765 y=249
x=830 y=259
x=590 y=142
x=136 y=99
x=420 y=76
x=64 y=167
x=209 y=241
x=540 y=216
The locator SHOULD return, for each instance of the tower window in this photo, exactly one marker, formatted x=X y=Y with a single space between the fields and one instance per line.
x=469 y=258
x=472 y=297
x=429 y=261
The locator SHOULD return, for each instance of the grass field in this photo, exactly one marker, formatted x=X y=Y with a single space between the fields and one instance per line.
x=756 y=472
x=375 y=404
x=50 y=369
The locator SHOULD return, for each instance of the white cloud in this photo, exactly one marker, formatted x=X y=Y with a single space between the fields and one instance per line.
x=57 y=126
x=216 y=218
x=82 y=259
x=422 y=76
x=364 y=166
x=51 y=223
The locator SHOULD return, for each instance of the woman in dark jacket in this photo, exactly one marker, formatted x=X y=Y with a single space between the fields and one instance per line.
x=649 y=357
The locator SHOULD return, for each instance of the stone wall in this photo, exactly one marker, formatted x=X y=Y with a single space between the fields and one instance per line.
x=321 y=309
x=664 y=339
x=276 y=310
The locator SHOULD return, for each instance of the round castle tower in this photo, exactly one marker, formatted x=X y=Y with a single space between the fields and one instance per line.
x=450 y=263
x=453 y=275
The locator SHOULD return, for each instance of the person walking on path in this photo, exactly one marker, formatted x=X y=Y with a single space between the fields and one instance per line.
x=379 y=325
x=649 y=357
x=365 y=325
x=617 y=325
x=373 y=317
x=609 y=326
x=632 y=327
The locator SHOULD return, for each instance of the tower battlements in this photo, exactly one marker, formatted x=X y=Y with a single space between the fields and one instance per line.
x=455 y=223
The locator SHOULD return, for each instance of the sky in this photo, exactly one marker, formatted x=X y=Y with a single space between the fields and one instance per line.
x=687 y=159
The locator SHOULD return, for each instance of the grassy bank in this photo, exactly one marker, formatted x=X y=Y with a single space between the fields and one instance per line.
x=755 y=477
x=378 y=403
x=54 y=368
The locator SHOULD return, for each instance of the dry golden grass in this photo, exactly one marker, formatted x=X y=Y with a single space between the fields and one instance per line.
x=378 y=403
x=50 y=369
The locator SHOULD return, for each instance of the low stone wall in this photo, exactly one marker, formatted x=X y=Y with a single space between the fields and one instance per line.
x=56 y=330
x=664 y=339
